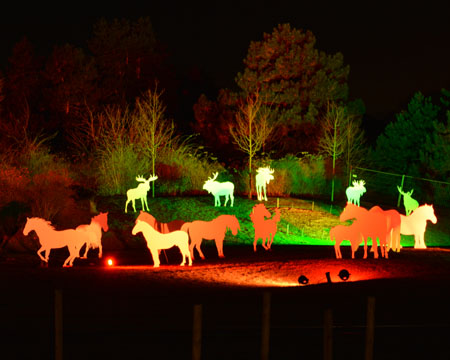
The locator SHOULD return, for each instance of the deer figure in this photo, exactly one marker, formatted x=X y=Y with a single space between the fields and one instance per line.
x=219 y=189
x=355 y=192
x=140 y=192
x=409 y=203
x=263 y=177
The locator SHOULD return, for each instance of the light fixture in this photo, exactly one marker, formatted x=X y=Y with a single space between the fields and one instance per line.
x=344 y=274
x=303 y=280
x=110 y=262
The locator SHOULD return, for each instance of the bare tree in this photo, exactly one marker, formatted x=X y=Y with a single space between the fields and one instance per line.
x=155 y=131
x=342 y=135
x=252 y=129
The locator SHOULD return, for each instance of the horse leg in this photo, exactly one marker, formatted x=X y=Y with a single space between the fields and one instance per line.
x=39 y=253
x=254 y=243
x=100 y=251
x=337 y=251
x=197 y=245
x=219 y=246
x=155 y=257
x=86 y=251
x=183 y=260
x=191 y=249
x=264 y=243
x=365 y=248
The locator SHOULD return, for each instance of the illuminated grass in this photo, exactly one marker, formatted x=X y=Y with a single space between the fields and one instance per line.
x=302 y=222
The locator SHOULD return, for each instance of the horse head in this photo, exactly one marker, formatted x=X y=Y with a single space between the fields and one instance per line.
x=351 y=211
x=102 y=220
x=430 y=213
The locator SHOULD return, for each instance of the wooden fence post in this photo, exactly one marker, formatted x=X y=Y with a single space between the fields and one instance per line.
x=328 y=335
x=370 y=329
x=265 y=328
x=197 y=333
x=58 y=325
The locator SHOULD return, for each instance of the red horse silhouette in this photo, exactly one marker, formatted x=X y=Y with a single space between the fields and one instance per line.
x=265 y=229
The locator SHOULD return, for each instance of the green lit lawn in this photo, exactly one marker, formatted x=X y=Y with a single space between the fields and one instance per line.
x=302 y=222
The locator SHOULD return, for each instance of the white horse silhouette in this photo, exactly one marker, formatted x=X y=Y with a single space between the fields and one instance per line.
x=219 y=189
x=354 y=192
x=263 y=177
x=157 y=241
x=409 y=203
x=140 y=192
x=416 y=224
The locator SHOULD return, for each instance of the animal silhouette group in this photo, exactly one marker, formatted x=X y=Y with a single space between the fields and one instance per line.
x=383 y=227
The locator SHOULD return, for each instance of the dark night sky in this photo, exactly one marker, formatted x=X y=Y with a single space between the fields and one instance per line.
x=393 y=50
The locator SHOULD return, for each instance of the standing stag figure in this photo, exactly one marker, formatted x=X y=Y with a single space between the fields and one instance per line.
x=263 y=177
x=355 y=192
x=409 y=203
x=219 y=189
x=140 y=192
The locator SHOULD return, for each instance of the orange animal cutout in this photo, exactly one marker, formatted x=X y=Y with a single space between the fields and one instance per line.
x=373 y=224
x=93 y=233
x=210 y=230
x=49 y=239
x=157 y=241
x=265 y=229
x=393 y=222
x=351 y=233
x=163 y=228
x=416 y=224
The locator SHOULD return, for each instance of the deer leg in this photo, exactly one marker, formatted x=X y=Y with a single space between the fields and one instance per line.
x=134 y=205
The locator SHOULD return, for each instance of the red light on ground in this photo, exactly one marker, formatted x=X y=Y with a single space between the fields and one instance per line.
x=110 y=262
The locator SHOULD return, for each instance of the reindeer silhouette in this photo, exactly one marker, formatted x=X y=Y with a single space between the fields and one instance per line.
x=219 y=189
x=409 y=203
x=263 y=177
x=140 y=192
x=354 y=192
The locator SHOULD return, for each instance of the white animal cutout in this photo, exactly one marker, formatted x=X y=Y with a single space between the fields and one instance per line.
x=157 y=241
x=219 y=189
x=140 y=192
x=416 y=224
x=263 y=177
x=355 y=192
x=409 y=203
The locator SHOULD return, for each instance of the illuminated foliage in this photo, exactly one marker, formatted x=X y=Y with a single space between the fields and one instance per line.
x=297 y=79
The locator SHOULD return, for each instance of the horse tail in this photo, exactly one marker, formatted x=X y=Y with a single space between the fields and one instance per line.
x=185 y=227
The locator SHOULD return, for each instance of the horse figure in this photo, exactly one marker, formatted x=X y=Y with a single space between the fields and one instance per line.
x=157 y=241
x=355 y=192
x=219 y=189
x=373 y=224
x=409 y=203
x=263 y=177
x=351 y=233
x=163 y=228
x=93 y=233
x=393 y=222
x=140 y=192
x=264 y=228
x=210 y=230
x=49 y=238
x=416 y=224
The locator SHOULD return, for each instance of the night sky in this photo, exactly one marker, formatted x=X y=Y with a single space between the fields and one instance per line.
x=393 y=51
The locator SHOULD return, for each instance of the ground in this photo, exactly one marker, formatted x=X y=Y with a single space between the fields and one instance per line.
x=132 y=310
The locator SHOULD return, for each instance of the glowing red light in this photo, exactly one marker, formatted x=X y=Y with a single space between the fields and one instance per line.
x=110 y=262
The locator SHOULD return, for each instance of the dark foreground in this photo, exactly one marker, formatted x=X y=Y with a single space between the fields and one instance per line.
x=134 y=311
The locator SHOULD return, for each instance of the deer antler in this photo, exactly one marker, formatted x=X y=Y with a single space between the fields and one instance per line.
x=214 y=176
x=400 y=190
x=141 y=178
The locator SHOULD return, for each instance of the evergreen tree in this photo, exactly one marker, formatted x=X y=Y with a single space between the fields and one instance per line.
x=406 y=144
x=297 y=79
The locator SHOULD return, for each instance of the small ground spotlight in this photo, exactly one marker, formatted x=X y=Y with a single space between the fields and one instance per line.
x=344 y=274
x=303 y=280
x=110 y=262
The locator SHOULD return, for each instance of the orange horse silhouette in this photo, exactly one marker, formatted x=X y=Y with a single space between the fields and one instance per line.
x=373 y=223
x=393 y=222
x=351 y=233
x=265 y=229
x=94 y=233
x=416 y=224
x=163 y=228
x=157 y=241
x=49 y=238
x=210 y=230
